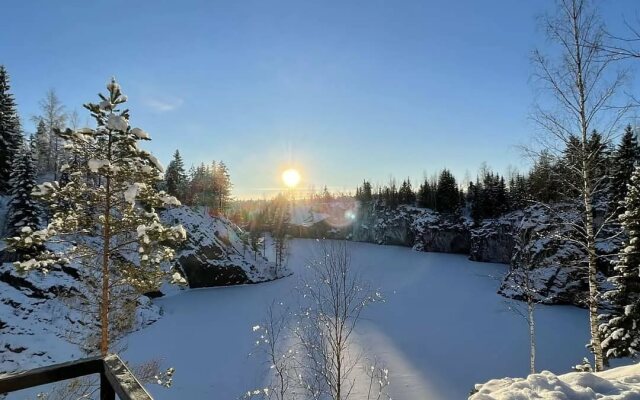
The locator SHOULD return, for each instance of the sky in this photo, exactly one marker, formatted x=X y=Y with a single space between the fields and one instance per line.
x=341 y=90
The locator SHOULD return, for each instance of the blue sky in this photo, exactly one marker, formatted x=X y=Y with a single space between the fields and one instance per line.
x=342 y=90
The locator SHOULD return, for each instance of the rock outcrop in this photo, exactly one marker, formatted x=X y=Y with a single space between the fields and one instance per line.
x=215 y=253
x=558 y=264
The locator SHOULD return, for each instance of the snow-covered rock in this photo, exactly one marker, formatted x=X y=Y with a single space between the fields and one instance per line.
x=422 y=229
x=215 y=253
x=559 y=270
x=622 y=383
x=381 y=225
x=440 y=233
x=493 y=240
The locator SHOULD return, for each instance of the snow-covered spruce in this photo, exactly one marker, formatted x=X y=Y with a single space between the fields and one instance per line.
x=23 y=210
x=104 y=218
x=621 y=330
x=10 y=136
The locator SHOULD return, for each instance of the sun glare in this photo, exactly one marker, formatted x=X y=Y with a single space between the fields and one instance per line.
x=291 y=177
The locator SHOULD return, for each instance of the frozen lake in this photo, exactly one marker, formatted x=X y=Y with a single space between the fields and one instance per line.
x=442 y=328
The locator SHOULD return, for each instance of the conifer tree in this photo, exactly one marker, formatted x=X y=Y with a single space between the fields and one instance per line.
x=23 y=211
x=363 y=193
x=425 y=195
x=10 y=136
x=222 y=187
x=405 y=194
x=624 y=160
x=620 y=332
x=41 y=147
x=176 y=178
x=447 y=196
x=108 y=225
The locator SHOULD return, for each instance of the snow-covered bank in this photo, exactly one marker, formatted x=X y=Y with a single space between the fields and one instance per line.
x=622 y=383
x=442 y=329
x=40 y=325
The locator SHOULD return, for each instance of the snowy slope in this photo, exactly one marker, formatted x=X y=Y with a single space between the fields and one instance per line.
x=622 y=383
x=442 y=329
x=38 y=326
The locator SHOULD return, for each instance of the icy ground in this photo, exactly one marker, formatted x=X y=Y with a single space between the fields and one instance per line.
x=442 y=329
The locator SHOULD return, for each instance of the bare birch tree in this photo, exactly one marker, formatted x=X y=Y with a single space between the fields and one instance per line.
x=522 y=281
x=333 y=301
x=580 y=90
x=311 y=352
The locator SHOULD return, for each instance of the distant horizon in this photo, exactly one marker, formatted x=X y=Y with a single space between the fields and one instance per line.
x=341 y=91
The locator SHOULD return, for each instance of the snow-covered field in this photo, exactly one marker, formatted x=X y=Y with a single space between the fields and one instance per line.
x=442 y=328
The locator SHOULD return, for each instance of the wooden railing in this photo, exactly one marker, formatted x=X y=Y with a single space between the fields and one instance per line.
x=115 y=377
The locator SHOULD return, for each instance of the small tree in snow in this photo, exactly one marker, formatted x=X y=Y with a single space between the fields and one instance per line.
x=523 y=282
x=104 y=218
x=331 y=305
x=621 y=331
x=310 y=352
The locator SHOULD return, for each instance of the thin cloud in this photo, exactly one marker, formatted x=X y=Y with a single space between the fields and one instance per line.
x=164 y=104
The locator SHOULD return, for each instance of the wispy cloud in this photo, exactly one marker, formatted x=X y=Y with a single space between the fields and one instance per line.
x=163 y=104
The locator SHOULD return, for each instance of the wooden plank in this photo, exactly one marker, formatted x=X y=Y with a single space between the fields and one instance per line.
x=122 y=380
x=50 y=374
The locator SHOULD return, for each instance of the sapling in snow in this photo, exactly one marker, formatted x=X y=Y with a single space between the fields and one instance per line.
x=104 y=216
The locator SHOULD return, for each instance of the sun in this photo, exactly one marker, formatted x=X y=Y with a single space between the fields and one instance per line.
x=291 y=177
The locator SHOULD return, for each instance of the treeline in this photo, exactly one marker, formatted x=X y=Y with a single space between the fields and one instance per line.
x=205 y=185
x=550 y=179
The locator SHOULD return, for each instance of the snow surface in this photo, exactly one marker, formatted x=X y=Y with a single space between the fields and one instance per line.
x=622 y=383
x=442 y=329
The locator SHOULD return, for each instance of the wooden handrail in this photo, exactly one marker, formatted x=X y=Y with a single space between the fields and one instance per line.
x=115 y=377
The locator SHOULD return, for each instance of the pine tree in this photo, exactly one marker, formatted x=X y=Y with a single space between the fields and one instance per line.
x=23 y=211
x=425 y=195
x=364 y=194
x=10 y=136
x=405 y=194
x=620 y=332
x=543 y=179
x=107 y=225
x=222 y=184
x=624 y=160
x=447 y=196
x=41 y=147
x=176 y=178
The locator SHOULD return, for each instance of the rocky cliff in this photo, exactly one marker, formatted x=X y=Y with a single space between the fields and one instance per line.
x=215 y=253
x=558 y=264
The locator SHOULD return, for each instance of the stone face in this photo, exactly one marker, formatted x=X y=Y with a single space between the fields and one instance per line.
x=381 y=225
x=559 y=272
x=493 y=241
x=215 y=254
